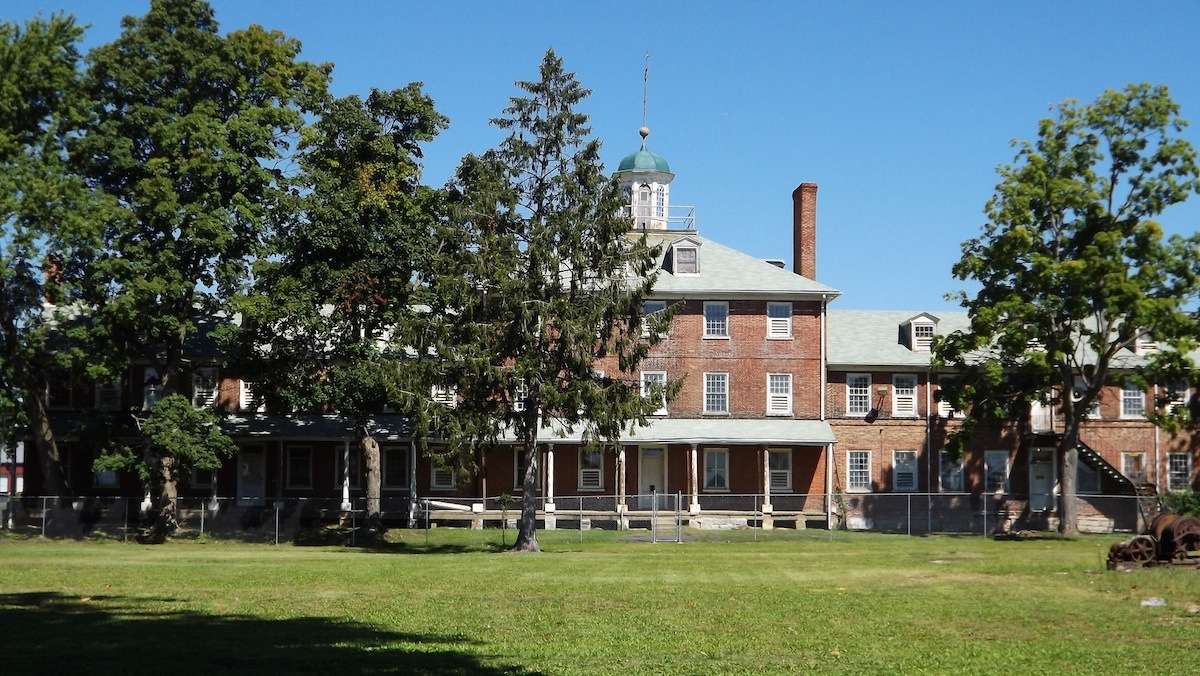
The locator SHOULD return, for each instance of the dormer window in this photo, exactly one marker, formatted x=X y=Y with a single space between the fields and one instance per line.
x=918 y=331
x=922 y=336
x=686 y=259
x=1145 y=345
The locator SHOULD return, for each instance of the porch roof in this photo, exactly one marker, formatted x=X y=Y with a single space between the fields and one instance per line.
x=317 y=427
x=712 y=431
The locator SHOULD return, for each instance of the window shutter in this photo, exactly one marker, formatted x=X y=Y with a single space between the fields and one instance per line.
x=779 y=393
x=204 y=387
x=945 y=410
x=904 y=471
x=904 y=396
x=442 y=477
x=589 y=478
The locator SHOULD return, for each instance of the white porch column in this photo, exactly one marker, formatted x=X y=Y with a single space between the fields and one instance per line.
x=346 y=477
x=621 y=487
x=766 y=479
x=768 y=521
x=829 y=460
x=550 y=477
x=694 y=483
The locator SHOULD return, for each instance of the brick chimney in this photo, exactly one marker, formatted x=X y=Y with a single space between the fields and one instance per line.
x=804 y=230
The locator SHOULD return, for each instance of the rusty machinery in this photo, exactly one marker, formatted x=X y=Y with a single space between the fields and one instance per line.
x=1170 y=539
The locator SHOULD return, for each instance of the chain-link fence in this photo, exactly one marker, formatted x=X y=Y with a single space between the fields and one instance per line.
x=332 y=521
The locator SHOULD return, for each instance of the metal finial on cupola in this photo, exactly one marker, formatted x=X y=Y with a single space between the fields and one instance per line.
x=644 y=130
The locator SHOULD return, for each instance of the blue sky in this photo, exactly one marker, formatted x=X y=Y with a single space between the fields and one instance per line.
x=899 y=111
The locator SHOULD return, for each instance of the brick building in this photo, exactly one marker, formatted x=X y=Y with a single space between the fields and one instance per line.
x=789 y=411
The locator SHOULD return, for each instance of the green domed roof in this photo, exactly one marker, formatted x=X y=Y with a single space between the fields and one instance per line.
x=644 y=160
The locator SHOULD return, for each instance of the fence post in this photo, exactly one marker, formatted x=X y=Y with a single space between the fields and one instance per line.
x=581 y=519
x=929 y=513
x=203 y=509
x=653 y=515
x=125 y=535
x=353 y=527
x=984 y=512
x=426 y=522
x=755 y=530
x=43 y=516
x=908 y=520
x=678 y=517
x=277 y=522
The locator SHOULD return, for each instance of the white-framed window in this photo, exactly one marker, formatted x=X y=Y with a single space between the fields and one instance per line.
x=660 y=202
x=1179 y=471
x=299 y=467
x=716 y=393
x=716 y=319
x=105 y=479
x=904 y=395
x=651 y=310
x=922 y=336
x=445 y=395
x=4 y=485
x=687 y=259
x=519 y=466
x=248 y=399
x=108 y=394
x=1179 y=393
x=779 y=466
x=779 y=321
x=643 y=204
x=858 y=472
x=204 y=386
x=440 y=478
x=1133 y=466
x=995 y=471
x=519 y=395
x=355 y=466
x=151 y=388
x=591 y=469
x=716 y=469
x=950 y=472
x=1077 y=392
x=946 y=409
x=779 y=394
x=858 y=394
x=1087 y=478
x=904 y=471
x=395 y=467
x=656 y=379
x=1133 y=402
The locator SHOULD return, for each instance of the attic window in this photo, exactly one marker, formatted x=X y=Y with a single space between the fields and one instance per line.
x=1145 y=345
x=922 y=336
x=687 y=260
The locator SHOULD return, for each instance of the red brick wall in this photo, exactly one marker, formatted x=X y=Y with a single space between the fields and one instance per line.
x=747 y=356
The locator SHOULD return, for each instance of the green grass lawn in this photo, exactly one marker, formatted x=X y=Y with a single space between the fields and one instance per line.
x=720 y=602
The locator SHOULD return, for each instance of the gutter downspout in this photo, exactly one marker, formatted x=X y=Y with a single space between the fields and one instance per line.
x=1157 y=479
x=828 y=447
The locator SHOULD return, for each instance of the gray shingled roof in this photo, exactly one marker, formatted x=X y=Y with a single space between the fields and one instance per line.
x=713 y=431
x=728 y=272
x=872 y=337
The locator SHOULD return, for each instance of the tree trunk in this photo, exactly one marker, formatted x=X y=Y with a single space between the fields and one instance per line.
x=54 y=481
x=371 y=460
x=163 y=490
x=1068 y=451
x=527 y=527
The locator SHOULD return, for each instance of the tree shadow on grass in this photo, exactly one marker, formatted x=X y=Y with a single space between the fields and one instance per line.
x=48 y=632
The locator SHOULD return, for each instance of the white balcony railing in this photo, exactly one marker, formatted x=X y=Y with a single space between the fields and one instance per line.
x=654 y=218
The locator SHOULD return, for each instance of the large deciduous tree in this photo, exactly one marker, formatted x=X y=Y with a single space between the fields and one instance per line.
x=186 y=132
x=45 y=227
x=1072 y=270
x=552 y=281
x=339 y=320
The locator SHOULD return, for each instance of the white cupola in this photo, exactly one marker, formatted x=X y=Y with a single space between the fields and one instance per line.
x=645 y=178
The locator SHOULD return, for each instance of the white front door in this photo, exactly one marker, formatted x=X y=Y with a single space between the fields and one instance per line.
x=652 y=474
x=1041 y=479
x=251 y=476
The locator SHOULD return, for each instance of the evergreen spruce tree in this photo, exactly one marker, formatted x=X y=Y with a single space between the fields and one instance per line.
x=551 y=281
